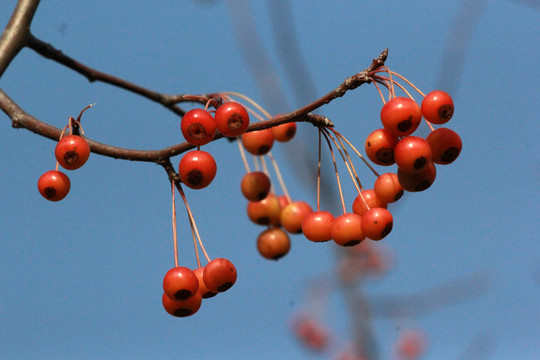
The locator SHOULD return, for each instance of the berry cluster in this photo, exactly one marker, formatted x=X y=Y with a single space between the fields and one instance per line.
x=71 y=152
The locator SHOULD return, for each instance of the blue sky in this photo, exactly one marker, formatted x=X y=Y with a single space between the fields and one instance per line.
x=82 y=278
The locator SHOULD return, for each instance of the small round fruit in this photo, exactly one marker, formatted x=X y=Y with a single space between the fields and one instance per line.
x=380 y=146
x=377 y=223
x=232 y=119
x=54 y=185
x=437 y=107
x=255 y=185
x=284 y=132
x=347 y=230
x=412 y=154
x=266 y=211
x=219 y=275
x=198 y=127
x=317 y=226
x=258 y=142
x=180 y=283
x=387 y=188
x=445 y=145
x=197 y=169
x=273 y=243
x=203 y=289
x=72 y=152
x=401 y=116
x=293 y=214
x=418 y=182
x=368 y=197
x=182 y=308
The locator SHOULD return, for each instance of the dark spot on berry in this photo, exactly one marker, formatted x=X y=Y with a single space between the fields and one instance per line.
x=264 y=220
x=446 y=112
x=262 y=195
x=450 y=155
x=423 y=185
x=352 y=242
x=387 y=229
x=368 y=143
x=195 y=177
x=208 y=294
x=405 y=125
x=398 y=195
x=49 y=192
x=290 y=132
x=71 y=157
x=385 y=155
x=196 y=131
x=278 y=256
x=264 y=149
x=182 y=294
x=225 y=286
x=235 y=121
x=182 y=312
x=420 y=162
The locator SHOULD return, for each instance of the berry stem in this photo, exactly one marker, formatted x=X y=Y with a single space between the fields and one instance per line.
x=319 y=175
x=175 y=237
x=324 y=132
x=243 y=155
x=278 y=175
x=348 y=163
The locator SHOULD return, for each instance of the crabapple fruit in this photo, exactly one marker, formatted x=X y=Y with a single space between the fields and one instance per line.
x=72 y=152
x=54 y=185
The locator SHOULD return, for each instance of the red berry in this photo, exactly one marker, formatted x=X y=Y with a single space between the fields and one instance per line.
x=293 y=214
x=219 y=275
x=255 y=185
x=445 y=145
x=437 y=107
x=266 y=211
x=370 y=198
x=180 y=283
x=377 y=223
x=232 y=119
x=72 y=151
x=258 y=142
x=317 y=226
x=198 y=127
x=284 y=132
x=273 y=243
x=347 y=230
x=54 y=185
x=203 y=289
x=418 y=182
x=401 y=116
x=413 y=154
x=182 y=308
x=380 y=146
x=197 y=169
x=387 y=188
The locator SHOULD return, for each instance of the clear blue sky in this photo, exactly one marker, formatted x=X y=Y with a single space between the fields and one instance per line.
x=81 y=279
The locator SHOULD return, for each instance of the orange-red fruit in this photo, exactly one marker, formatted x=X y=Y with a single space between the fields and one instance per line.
x=180 y=283
x=203 y=289
x=266 y=211
x=198 y=127
x=317 y=226
x=387 y=188
x=232 y=119
x=380 y=146
x=72 y=152
x=311 y=333
x=370 y=198
x=437 y=107
x=401 y=116
x=197 y=169
x=347 y=229
x=445 y=145
x=258 y=142
x=54 y=185
x=418 y=182
x=377 y=223
x=293 y=214
x=219 y=275
x=412 y=154
x=255 y=185
x=284 y=132
x=273 y=243
x=182 y=308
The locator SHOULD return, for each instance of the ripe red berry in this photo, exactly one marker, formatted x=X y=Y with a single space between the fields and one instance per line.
x=380 y=146
x=370 y=198
x=255 y=185
x=258 y=142
x=273 y=243
x=54 y=185
x=377 y=223
x=293 y=214
x=413 y=154
x=284 y=132
x=437 y=107
x=203 y=289
x=232 y=119
x=266 y=211
x=401 y=116
x=182 y=308
x=418 y=182
x=180 y=283
x=219 y=275
x=445 y=145
x=72 y=152
x=198 y=127
x=347 y=230
x=317 y=226
x=387 y=188
x=197 y=169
